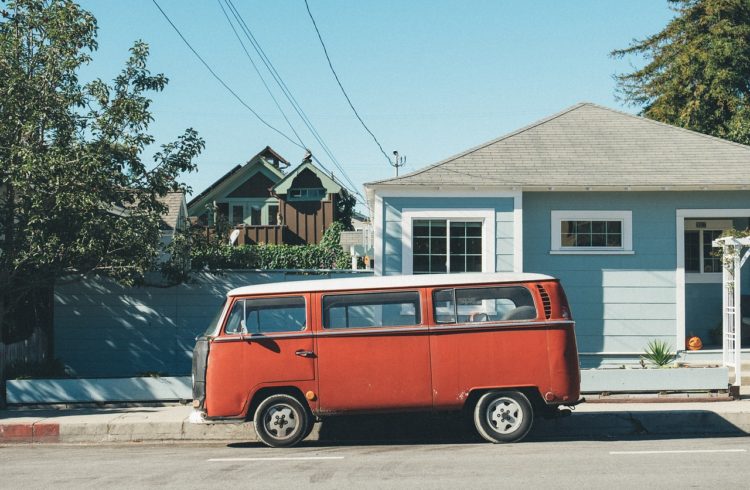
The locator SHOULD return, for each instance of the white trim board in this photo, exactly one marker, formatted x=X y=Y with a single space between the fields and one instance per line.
x=379 y=217
x=558 y=216
x=485 y=216
x=680 y=216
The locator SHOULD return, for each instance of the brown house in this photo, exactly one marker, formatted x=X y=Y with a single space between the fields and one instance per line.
x=268 y=206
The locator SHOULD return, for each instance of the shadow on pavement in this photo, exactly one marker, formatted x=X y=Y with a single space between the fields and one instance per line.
x=457 y=428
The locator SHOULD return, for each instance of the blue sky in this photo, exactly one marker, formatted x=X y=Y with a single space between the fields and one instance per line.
x=430 y=78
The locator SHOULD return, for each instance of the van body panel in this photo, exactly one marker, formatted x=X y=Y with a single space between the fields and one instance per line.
x=498 y=356
x=353 y=365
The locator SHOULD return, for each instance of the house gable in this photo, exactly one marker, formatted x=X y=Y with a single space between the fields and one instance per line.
x=258 y=185
x=242 y=181
x=307 y=174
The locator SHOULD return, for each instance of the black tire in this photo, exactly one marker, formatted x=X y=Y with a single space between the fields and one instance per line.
x=281 y=421
x=503 y=416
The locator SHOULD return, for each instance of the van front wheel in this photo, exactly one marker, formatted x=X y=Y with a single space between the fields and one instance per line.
x=503 y=416
x=281 y=421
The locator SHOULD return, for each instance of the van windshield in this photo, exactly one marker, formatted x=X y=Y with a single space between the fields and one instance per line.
x=213 y=324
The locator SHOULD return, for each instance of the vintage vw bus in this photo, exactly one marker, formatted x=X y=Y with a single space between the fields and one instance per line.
x=285 y=354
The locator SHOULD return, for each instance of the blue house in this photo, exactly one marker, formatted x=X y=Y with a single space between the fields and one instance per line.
x=622 y=209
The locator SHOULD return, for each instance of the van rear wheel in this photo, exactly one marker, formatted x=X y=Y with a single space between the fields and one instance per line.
x=281 y=421
x=503 y=416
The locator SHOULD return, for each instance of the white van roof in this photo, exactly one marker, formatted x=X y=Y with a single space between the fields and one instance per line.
x=380 y=282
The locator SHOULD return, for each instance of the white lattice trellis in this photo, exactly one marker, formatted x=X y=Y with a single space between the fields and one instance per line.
x=735 y=253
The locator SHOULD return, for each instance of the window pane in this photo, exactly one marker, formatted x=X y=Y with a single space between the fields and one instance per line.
x=710 y=262
x=235 y=317
x=437 y=264
x=238 y=215
x=421 y=245
x=465 y=240
x=444 y=306
x=437 y=245
x=473 y=245
x=598 y=226
x=437 y=228
x=495 y=304
x=421 y=228
x=275 y=315
x=371 y=310
x=255 y=216
x=273 y=214
x=474 y=228
x=598 y=240
x=692 y=251
x=421 y=264
x=614 y=227
x=458 y=246
x=474 y=263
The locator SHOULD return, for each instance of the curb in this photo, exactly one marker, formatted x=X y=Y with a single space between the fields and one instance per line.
x=592 y=422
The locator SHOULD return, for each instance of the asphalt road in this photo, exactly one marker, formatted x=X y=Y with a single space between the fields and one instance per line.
x=666 y=463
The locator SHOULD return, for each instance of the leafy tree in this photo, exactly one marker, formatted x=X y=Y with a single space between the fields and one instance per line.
x=345 y=209
x=697 y=74
x=76 y=196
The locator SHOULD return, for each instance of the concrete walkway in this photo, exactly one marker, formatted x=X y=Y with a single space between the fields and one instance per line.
x=170 y=423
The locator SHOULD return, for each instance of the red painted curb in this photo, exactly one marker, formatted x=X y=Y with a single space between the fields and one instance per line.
x=28 y=433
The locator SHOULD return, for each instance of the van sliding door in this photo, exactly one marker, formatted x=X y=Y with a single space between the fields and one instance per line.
x=373 y=352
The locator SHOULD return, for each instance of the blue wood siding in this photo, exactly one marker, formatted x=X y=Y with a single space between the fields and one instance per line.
x=392 y=233
x=620 y=302
x=103 y=329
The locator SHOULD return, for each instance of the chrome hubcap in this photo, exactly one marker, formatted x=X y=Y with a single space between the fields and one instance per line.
x=504 y=415
x=280 y=421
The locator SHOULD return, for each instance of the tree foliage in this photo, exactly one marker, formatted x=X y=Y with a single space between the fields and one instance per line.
x=192 y=251
x=76 y=195
x=697 y=74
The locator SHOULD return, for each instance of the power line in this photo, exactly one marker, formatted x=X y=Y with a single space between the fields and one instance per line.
x=335 y=75
x=219 y=79
x=290 y=97
x=252 y=62
x=301 y=144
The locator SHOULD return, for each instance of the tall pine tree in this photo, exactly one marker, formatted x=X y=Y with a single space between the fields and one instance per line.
x=697 y=72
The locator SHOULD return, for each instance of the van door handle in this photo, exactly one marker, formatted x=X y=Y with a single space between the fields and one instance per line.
x=305 y=353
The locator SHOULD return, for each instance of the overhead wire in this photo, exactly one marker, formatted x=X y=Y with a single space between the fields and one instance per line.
x=252 y=62
x=292 y=100
x=221 y=81
x=295 y=105
x=341 y=86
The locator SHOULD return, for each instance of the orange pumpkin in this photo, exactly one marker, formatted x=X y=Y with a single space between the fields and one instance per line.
x=694 y=343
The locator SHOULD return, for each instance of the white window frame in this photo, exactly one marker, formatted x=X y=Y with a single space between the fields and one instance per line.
x=248 y=204
x=485 y=216
x=700 y=277
x=625 y=217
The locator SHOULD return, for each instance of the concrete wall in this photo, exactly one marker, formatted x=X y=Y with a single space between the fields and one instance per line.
x=105 y=330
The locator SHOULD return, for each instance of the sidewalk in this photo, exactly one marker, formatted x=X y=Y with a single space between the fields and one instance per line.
x=170 y=424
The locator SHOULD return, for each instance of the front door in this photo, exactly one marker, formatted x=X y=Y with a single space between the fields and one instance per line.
x=373 y=352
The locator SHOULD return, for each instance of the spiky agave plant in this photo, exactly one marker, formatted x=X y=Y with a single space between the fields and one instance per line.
x=658 y=352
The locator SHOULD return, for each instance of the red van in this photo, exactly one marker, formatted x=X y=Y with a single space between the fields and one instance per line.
x=288 y=353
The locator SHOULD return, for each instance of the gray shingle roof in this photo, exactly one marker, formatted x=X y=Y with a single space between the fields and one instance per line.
x=590 y=145
x=173 y=201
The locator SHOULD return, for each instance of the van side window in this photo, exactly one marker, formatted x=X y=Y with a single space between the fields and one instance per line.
x=268 y=315
x=371 y=310
x=475 y=305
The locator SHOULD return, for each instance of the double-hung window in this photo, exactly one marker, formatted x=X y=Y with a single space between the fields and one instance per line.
x=448 y=241
x=442 y=245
